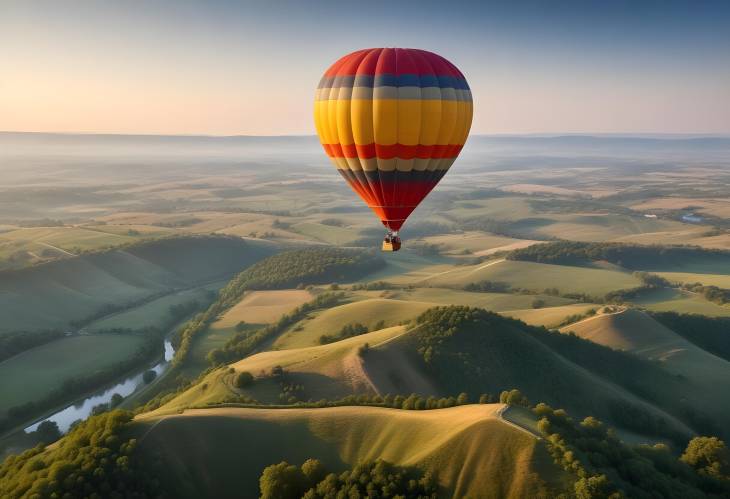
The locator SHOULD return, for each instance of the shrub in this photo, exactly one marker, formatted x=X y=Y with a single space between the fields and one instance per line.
x=244 y=379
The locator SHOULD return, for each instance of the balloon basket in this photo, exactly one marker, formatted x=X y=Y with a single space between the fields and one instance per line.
x=391 y=243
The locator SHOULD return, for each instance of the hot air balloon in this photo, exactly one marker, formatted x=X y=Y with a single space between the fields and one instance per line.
x=393 y=121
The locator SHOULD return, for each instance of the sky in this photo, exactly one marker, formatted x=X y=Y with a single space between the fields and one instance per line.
x=250 y=68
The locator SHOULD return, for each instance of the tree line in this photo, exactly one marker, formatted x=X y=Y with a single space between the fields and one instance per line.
x=373 y=479
x=630 y=256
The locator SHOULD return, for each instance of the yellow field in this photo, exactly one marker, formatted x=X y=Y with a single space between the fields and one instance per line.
x=550 y=316
x=263 y=307
x=367 y=312
x=474 y=242
x=471 y=449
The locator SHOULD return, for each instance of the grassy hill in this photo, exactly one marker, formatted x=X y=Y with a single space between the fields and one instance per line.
x=526 y=275
x=367 y=312
x=44 y=369
x=52 y=295
x=471 y=449
x=485 y=355
x=707 y=375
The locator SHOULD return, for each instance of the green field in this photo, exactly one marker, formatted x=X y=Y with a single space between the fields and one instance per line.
x=155 y=313
x=202 y=448
x=673 y=300
x=40 y=371
x=52 y=295
x=528 y=275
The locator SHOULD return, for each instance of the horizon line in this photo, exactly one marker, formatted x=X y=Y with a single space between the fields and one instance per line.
x=314 y=135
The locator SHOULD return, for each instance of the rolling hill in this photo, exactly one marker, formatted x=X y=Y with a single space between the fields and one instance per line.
x=472 y=450
x=707 y=375
x=52 y=295
x=488 y=354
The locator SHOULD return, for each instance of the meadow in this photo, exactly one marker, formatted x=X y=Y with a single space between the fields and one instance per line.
x=151 y=249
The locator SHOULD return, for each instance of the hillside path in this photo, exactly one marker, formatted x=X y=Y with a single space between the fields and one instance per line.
x=500 y=415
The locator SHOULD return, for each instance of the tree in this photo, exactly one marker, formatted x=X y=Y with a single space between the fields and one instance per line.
x=244 y=379
x=513 y=397
x=240 y=326
x=592 y=487
x=314 y=471
x=116 y=400
x=709 y=456
x=538 y=303
x=282 y=481
x=48 y=432
x=485 y=398
x=462 y=399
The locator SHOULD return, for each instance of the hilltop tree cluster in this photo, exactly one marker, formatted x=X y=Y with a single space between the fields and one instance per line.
x=307 y=266
x=368 y=479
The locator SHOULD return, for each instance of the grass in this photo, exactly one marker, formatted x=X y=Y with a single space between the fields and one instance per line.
x=496 y=302
x=550 y=316
x=637 y=332
x=38 y=372
x=604 y=227
x=401 y=265
x=471 y=450
x=533 y=276
x=52 y=295
x=367 y=312
x=719 y=280
x=328 y=234
x=262 y=307
x=256 y=308
x=392 y=365
x=327 y=371
x=66 y=238
x=156 y=312
x=471 y=242
x=683 y=302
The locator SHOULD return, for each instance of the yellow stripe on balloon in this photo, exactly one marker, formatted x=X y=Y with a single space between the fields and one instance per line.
x=391 y=121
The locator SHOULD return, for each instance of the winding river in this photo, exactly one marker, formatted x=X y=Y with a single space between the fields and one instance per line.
x=82 y=409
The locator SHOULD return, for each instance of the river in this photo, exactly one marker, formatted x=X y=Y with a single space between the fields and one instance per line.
x=82 y=410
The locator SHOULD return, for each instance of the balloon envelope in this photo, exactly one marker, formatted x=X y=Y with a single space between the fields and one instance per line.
x=393 y=121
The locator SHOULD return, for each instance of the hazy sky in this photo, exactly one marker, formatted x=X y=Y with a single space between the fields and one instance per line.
x=214 y=67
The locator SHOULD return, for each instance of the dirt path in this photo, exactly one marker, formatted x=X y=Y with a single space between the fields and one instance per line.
x=55 y=248
x=495 y=262
x=500 y=415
